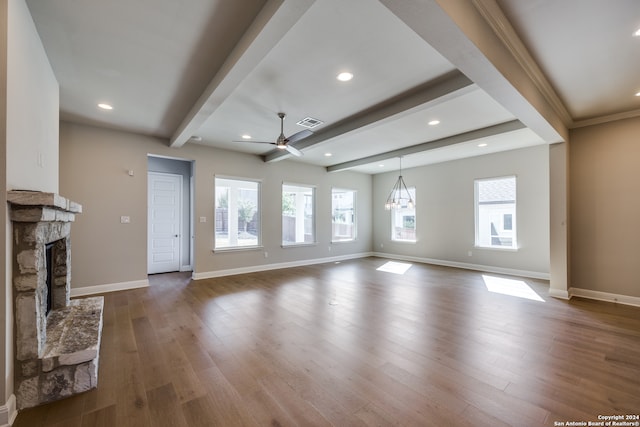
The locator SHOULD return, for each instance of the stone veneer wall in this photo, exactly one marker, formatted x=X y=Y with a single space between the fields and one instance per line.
x=56 y=354
x=30 y=289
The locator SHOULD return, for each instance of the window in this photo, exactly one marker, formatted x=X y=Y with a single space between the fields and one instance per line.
x=403 y=221
x=508 y=221
x=343 y=215
x=496 y=212
x=237 y=213
x=298 y=214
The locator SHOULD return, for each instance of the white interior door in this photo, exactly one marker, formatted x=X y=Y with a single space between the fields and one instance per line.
x=164 y=207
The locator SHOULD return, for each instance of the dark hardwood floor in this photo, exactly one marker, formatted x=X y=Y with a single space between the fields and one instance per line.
x=346 y=345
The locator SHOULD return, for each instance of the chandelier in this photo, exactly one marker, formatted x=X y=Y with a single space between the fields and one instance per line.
x=399 y=197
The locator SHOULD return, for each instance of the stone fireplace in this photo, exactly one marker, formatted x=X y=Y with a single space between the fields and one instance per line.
x=57 y=340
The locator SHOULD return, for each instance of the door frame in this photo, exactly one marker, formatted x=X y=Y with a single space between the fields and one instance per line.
x=186 y=168
x=169 y=164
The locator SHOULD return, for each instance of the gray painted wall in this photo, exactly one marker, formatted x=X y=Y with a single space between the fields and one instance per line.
x=107 y=252
x=445 y=211
x=94 y=165
x=605 y=208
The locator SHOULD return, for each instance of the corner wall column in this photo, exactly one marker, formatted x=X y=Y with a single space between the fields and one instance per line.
x=559 y=286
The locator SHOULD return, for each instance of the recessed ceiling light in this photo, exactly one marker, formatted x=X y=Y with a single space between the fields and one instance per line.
x=638 y=94
x=328 y=154
x=434 y=122
x=196 y=138
x=344 y=77
x=482 y=145
x=105 y=106
x=637 y=33
x=246 y=136
x=381 y=165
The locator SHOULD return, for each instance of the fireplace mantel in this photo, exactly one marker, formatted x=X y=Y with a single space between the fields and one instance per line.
x=36 y=206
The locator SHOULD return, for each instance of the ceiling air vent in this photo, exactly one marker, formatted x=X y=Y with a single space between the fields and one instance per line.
x=310 y=122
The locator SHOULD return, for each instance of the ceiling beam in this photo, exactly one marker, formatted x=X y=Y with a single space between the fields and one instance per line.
x=464 y=32
x=272 y=23
x=445 y=88
x=430 y=145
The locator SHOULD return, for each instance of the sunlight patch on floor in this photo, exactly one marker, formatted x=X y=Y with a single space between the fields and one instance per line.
x=394 y=267
x=515 y=288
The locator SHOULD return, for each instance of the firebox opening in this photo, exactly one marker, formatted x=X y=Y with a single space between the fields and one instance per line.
x=49 y=257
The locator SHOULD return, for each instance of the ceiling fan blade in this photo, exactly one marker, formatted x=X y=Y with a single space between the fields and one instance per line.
x=293 y=150
x=284 y=143
x=258 y=142
x=298 y=136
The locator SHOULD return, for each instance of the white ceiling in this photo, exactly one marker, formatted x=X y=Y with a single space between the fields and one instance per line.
x=586 y=49
x=219 y=69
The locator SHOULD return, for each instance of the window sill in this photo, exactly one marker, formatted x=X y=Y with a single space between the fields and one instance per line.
x=299 y=245
x=496 y=248
x=239 y=248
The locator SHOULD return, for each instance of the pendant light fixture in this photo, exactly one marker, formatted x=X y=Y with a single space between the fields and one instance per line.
x=399 y=197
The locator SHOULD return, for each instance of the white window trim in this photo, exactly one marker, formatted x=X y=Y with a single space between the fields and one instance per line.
x=476 y=216
x=410 y=242
x=259 y=246
x=355 y=215
x=314 y=222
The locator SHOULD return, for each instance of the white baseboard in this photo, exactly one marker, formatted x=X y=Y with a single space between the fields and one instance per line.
x=111 y=287
x=266 y=267
x=5 y=410
x=8 y=412
x=467 y=266
x=558 y=293
x=276 y=266
x=605 y=296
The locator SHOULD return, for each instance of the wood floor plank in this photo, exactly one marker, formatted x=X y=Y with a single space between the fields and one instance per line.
x=131 y=400
x=154 y=370
x=186 y=383
x=67 y=411
x=344 y=344
x=296 y=376
x=104 y=417
x=164 y=407
x=202 y=412
x=371 y=415
x=222 y=405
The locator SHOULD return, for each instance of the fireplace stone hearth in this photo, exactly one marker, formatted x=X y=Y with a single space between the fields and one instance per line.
x=56 y=352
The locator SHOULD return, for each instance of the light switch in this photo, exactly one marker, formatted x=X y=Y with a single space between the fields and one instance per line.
x=125 y=220
x=203 y=219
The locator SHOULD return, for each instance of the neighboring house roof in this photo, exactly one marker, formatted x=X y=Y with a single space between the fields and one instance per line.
x=499 y=190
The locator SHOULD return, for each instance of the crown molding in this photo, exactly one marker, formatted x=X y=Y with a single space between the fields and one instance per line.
x=605 y=119
x=503 y=29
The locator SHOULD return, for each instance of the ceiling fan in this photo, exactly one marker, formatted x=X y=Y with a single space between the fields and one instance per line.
x=284 y=143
